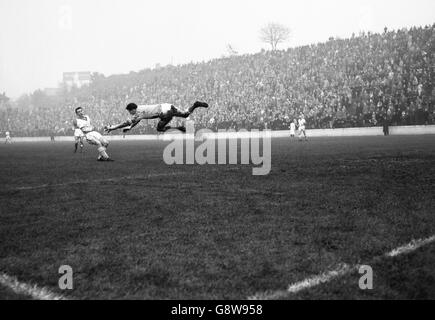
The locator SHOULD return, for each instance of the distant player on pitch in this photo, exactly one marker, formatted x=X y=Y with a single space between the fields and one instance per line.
x=293 y=128
x=165 y=112
x=301 y=127
x=8 y=138
x=83 y=122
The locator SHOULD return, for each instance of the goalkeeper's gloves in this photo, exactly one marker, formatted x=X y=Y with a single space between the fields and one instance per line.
x=108 y=128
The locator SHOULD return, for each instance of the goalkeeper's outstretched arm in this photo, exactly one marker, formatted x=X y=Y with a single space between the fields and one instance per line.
x=127 y=125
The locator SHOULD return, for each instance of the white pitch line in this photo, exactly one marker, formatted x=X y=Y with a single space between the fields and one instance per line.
x=342 y=270
x=413 y=245
x=304 y=284
x=29 y=290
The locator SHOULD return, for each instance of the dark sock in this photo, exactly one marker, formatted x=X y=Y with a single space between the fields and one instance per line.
x=181 y=128
x=164 y=129
x=197 y=104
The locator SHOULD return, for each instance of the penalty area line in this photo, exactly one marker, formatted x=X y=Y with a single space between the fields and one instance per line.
x=340 y=271
x=33 y=291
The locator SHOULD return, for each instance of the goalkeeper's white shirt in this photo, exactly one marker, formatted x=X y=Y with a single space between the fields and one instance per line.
x=151 y=111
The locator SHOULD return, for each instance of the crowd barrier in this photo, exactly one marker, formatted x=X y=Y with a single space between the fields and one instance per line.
x=339 y=132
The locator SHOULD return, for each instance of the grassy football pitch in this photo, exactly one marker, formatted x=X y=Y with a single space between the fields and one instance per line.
x=140 y=229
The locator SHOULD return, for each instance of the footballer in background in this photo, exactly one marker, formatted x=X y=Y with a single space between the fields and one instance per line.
x=83 y=122
x=301 y=127
x=8 y=139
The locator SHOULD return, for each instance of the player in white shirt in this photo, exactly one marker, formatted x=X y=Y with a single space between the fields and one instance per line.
x=83 y=122
x=165 y=112
x=78 y=138
x=8 y=138
x=301 y=125
x=292 y=128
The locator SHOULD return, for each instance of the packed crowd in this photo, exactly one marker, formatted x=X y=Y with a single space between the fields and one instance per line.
x=361 y=81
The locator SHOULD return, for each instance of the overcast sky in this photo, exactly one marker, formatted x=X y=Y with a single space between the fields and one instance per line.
x=40 y=39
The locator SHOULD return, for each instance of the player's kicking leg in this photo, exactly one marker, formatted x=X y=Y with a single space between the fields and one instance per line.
x=104 y=144
x=95 y=138
x=78 y=142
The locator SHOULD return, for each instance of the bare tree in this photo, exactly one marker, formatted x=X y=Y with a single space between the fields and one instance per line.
x=274 y=34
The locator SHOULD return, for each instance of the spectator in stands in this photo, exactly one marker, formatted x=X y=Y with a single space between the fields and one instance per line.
x=339 y=83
